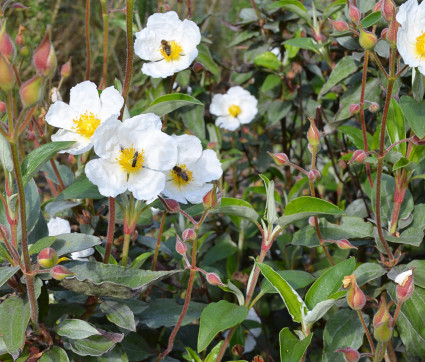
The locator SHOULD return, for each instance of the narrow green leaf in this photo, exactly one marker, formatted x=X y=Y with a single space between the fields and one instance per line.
x=76 y=329
x=170 y=102
x=297 y=279
x=291 y=348
x=39 y=245
x=140 y=260
x=5 y=154
x=303 y=43
x=92 y=346
x=371 y=19
x=212 y=356
x=356 y=136
x=231 y=288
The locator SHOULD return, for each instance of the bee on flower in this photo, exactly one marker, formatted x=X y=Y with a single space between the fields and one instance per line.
x=78 y=120
x=234 y=108
x=167 y=43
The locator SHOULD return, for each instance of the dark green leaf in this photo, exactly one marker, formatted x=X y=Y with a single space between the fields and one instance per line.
x=92 y=346
x=395 y=126
x=170 y=102
x=55 y=354
x=5 y=154
x=81 y=188
x=371 y=19
x=355 y=134
x=367 y=272
x=76 y=329
x=212 y=356
x=345 y=67
x=236 y=207
x=291 y=348
x=6 y=273
x=119 y=314
x=204 y=57
x=295 y=7
x=414 y=113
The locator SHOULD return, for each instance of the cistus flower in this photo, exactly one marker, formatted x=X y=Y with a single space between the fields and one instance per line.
x=355 y=296
x=58 y=226
x=189 y=178
x=405 y=287
x=411 y=34
x=47 y=258
x=350 y=354
x=168 y=43
x=86 y=111
x=234 y=108
x=134 y=155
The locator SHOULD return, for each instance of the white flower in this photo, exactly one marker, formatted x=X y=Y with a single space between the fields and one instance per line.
x=85 y=112
x=189 y=178
x=133 y=155
x=411 y=34
x=82 y=255
x=58 y=226
x=234 y=108
x=402 y=277
x=168 y=43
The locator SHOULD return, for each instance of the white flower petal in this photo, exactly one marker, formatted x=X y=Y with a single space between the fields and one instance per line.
x=143 y=122
x=189 y=149
x=173 y=192
x=401 y=278
x=219 y=105
x=105 y=138
x=207 y=168
x=146 y=184
x=196 y=193
x=107 y=176
x=82 y=144
x=85 y=98
x=229 y=123
x=82 y=255
x=160 y=150
x=111 y=103
x=58 y=226
x=61 y=115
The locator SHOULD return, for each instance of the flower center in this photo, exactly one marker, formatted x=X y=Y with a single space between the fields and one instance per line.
x=86 y=124
x=420 y=45
x=181 y=175
x=130 y=160
x=234 y=110
x=170 y=50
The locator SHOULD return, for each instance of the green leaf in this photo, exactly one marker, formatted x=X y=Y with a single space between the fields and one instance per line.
x=191 y=355
x=395 y=126
x=267 y=60
x=297 y=279
x=76 y=329
x=119 y=314
x=217 y=317
x=5 y=154
x=37 y=158
x=140 y=260
x=223 y=248
x=345 y=67
x=291 y=348
x=39 y=245
x=92 y=346
x=106 y=280
x=303 y=43
x=294 y=6
x=270 y=213
x=204 y=57
x=212 y=356
x=321 y=308
x=414 y=113
x=367 y=272
x=329 y=282
x=371 y=19
x=81 y=188
x=55 y=354
x=14 y=318
x=356 y=136
x=170 y=102
x=236 y=207
x=419 y=274
x=231 y=288
x=294 y=303
x=305 y=206
x=6 y=273
x=193 y=119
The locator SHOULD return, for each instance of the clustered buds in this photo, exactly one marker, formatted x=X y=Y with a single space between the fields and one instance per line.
x=59 y=272
x=47 y=258
x=350 y=354
x=358 y=156
x=314 y=175
x=189 y=235
x=214 y=279
x=280 y=158
x=405 y=287
x=44 y=58
x=383 y=322
x=355 y=296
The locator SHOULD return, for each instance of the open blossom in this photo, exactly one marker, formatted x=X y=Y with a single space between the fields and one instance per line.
x=189 y=178
x=411 y=34
x=79 y=119
x=234 y=108
x=133 y=156
x=168 y=43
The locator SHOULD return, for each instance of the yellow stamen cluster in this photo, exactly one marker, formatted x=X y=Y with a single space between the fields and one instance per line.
x=86 y=124
x=420 y=45
x=234 y=110
x=180 y=174
x=175 y=51
x=129 y=160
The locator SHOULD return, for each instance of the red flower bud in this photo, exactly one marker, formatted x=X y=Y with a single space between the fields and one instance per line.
x=384 y=33
x=66 y=69
x=31 y=91
x=313 y=135
x=388 y=10
x=172 y=206
x=59 y=272
x=405 y=285
x=198 y=67
x=350 y=354
x=44 y=58
x=339 y=25
x=7 y=77
x=344 y=244
x=19 y=39
x=355 y=296
x=354 y=108
x=367 y=39
x=391 y=35
x=358 y=156
x=377 y=6
x=7 y=48
x=314 y=175
x=2 y=107
x=47 y=258
x=312 y=221
x=180 y=246
x=373 y=107
x=382 y=322
x=354 y=13
x=280 y=158
x=189 y=235
x=212 y=199
x=214 y=279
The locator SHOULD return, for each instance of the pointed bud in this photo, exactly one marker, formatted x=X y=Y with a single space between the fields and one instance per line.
x=382 y=322
x=7 y=77
x=358 y=156
x=212 y=199
x=384 y=33
x=367 y=39
x=344 y=244
x=198 y=67
x=405 y=285
x=47 y=258
x=391 y=35
x=180 y=246
x=350 y=354
x=280 y=158
x=314 y=175
x=312 y=221
x=388 y=10
x=374 y=107
x=354 y=13
x=7 y=48
x=339 y=25
x=59 y=272
x=355 y=296
x=2 y=107
x=44 y=58
x=354 y=108
x=189 y=235
x=313 y=135
x=19 y=39
x=66 y=69
x=214 y=279
x=172 y=206
x=5 y=232
x=31 y=91
x=377 y=6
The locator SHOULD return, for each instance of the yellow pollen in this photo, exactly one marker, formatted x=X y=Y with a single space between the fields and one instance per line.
x=181 y=175
x=234 y=110
x=130 y=160
x=420 y=45
x=86 y=124
x=171 y=51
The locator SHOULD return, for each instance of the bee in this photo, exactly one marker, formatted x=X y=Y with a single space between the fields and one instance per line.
x=182 y=174
x=165 y=45
x=136 y=154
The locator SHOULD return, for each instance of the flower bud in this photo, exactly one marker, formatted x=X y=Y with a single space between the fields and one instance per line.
x=382 y=322
x=172 y=206
x=354 y=13
x=59 y=272
x=314 y=175
x=7 y=48
x=367 y=39
x=388 y=10
x=350 y=354
x=214 y=279
x=47 y=258
x=198 y=67
x=384 y=33
x=24 y=52
x=19 y=39
x=344 y=244
x=44 y=58
x=212 y=199
x=339 y=25
x=358 y=156
x=189 y=235
x=405 y=285
x=391 y=35
x=66 y=69
x=313 y=135
x=2 y=107
x=355 y=296
x=280 y=158
x=4 y=233
x=312 y=221
x=180 y=246
x=354 y=108
x=7 y=78
x=373 y=107
x=31 y=91
x=377 y=6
